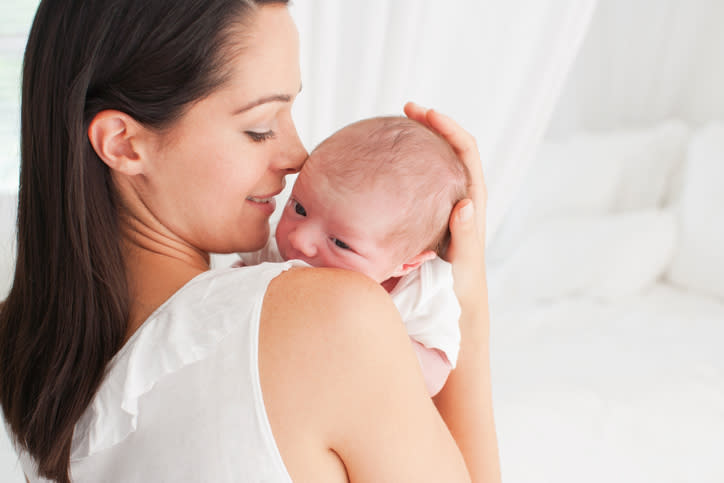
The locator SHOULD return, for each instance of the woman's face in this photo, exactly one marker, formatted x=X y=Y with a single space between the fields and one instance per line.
x=211 y=176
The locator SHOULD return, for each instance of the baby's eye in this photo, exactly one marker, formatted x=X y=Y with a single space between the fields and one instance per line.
x=341 y=244
x=298 y=208
x=259 y=137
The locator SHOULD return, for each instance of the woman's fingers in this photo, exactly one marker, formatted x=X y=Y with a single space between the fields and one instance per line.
x=416 y=112
x=464 y=145
x=462 y=141
x=466 y=148
x=466 y=253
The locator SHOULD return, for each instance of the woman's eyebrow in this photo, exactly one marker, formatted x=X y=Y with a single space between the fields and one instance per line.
x=264 y=100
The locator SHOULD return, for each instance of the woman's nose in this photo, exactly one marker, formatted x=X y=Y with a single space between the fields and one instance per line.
x=294 y=154
x=302 y=240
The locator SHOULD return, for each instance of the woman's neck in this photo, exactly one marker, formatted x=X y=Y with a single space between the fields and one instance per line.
x=157 y=266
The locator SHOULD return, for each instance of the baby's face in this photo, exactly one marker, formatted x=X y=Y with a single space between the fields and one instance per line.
x=328 y=228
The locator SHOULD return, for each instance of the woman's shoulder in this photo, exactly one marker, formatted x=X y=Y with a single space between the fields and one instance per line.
x=220 y=290
x=327 y=281
x=327 y=323
x=323 y=327
x=327 y=309
x=328 y=296
x=290 y=288
x=337 y=371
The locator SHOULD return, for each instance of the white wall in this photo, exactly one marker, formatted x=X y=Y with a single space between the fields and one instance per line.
x=643 y=61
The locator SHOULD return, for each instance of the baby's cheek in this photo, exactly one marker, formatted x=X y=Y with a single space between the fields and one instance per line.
x=379 y=273
x=325 y=258
x=282 y=230
x=280 y=235
x=364 y=269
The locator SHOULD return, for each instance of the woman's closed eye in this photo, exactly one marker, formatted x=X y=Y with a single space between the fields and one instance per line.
x=259 y=137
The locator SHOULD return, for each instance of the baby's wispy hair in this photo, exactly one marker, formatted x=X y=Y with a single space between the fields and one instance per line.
x=403 y=158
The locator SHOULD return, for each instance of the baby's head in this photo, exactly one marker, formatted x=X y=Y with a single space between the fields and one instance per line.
x=375 y=197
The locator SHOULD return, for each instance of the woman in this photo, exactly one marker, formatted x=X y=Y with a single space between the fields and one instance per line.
x=153 y=134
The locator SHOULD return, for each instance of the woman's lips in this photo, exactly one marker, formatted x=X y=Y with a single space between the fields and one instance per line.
x=267 y=203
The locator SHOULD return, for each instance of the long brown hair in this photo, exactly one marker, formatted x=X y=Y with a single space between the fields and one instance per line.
x=67 y=311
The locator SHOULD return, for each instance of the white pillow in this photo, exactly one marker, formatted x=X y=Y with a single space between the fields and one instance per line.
x=699 y=258
x=567 y=178
x=639 y=248
x=606 y=256
x=648 y=167
x=592 y=174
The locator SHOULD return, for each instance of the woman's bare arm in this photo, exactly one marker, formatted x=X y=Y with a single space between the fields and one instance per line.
x=465 y=402
x=337 y=366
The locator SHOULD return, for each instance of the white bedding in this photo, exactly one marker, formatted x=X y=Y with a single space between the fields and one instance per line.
x=610 y=374
x=625 y=391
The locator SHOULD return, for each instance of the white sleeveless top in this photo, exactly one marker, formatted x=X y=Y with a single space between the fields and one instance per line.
x=181 y=401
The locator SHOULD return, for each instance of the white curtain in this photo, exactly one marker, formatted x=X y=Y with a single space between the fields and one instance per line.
x=496 y=67
x=643 y=62
x=15 y=19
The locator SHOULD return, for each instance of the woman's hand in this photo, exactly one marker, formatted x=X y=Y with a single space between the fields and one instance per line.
x=467 y=220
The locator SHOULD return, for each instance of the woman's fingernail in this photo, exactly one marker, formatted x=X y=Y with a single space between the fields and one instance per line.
x=466 y=212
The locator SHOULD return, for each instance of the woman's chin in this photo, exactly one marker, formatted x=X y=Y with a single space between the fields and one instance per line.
x=256 y=242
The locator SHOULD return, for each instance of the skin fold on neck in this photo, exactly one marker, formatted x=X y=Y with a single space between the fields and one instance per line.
x=157 y=266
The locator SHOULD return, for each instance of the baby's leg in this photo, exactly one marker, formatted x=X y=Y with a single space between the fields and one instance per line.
x=435 y=366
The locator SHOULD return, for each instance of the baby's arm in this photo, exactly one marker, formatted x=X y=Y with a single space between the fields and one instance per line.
x=435 y=366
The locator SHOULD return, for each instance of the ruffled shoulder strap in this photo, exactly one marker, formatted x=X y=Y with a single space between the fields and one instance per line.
x=184 y=330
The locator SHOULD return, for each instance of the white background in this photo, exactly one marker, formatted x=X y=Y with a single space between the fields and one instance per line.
x=512 y=72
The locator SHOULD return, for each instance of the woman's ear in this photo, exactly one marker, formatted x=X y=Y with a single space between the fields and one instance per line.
x=413 y=263
x=118 y=139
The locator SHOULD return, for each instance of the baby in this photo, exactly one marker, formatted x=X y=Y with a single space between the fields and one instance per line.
x=375 y=197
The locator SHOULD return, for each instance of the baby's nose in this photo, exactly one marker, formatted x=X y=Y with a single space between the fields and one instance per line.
x=303 y=241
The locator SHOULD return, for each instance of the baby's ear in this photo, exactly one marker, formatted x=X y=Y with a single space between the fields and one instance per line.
x=413 y=263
